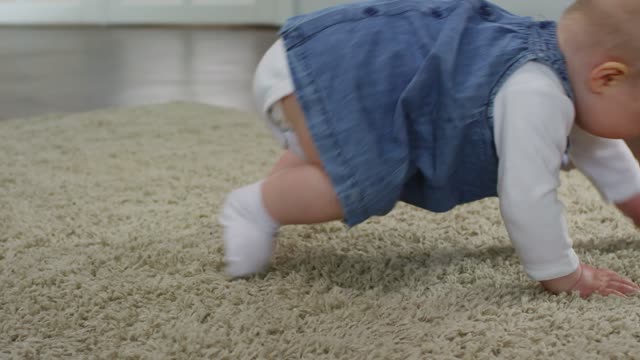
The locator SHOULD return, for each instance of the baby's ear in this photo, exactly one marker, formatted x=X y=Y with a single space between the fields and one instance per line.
x=607 y=76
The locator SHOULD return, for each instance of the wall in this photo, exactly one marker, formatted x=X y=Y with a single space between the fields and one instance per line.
x=102 y=12
x=229 y=11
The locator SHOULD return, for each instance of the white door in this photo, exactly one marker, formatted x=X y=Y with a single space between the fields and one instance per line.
x=191 y=11
x=51 y=11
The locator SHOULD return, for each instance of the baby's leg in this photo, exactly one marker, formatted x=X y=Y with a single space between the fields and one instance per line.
x=288 y=160
x=302 y=194
x=297 y=192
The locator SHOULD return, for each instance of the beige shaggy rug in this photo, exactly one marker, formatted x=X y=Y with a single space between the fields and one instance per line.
x=109 y=249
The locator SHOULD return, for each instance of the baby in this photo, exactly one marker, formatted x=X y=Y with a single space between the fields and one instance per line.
x=438 y=103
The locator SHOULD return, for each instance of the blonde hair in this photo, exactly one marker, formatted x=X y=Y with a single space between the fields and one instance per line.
x=611 y=27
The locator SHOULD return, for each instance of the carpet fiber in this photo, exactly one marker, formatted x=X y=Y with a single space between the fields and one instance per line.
x=109 y=248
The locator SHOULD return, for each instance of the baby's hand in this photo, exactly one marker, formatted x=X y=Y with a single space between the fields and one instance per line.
x=588 y=280
x=631 y=208
x=603 y=282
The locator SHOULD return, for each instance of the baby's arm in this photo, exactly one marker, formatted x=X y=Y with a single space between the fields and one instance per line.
x=615 y=172
x=533 y=119
x=611 y=167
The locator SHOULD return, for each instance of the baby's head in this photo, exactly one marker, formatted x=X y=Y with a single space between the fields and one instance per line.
x=601 y=43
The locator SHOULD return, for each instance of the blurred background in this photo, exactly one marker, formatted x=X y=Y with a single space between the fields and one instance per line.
x=80 y=55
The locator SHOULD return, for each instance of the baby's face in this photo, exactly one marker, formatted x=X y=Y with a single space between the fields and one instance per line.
x=600 y=44
x=614 y=114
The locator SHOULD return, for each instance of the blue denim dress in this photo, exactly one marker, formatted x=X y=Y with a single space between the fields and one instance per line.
x=398 y=96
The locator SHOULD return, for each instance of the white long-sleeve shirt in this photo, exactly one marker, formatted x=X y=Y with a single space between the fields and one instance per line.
x=534 y=120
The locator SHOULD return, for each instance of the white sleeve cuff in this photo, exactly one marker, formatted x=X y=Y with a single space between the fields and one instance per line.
x=624 y=191
x=564 y=266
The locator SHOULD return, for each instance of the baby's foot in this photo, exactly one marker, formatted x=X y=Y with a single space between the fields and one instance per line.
x=249 y=232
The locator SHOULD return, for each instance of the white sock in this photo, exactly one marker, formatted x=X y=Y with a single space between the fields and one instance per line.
x=249 y=232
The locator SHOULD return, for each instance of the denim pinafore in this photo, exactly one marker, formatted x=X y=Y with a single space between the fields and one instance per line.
x=398 y=96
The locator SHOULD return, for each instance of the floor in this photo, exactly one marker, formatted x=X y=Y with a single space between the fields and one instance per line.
x=45 y=70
